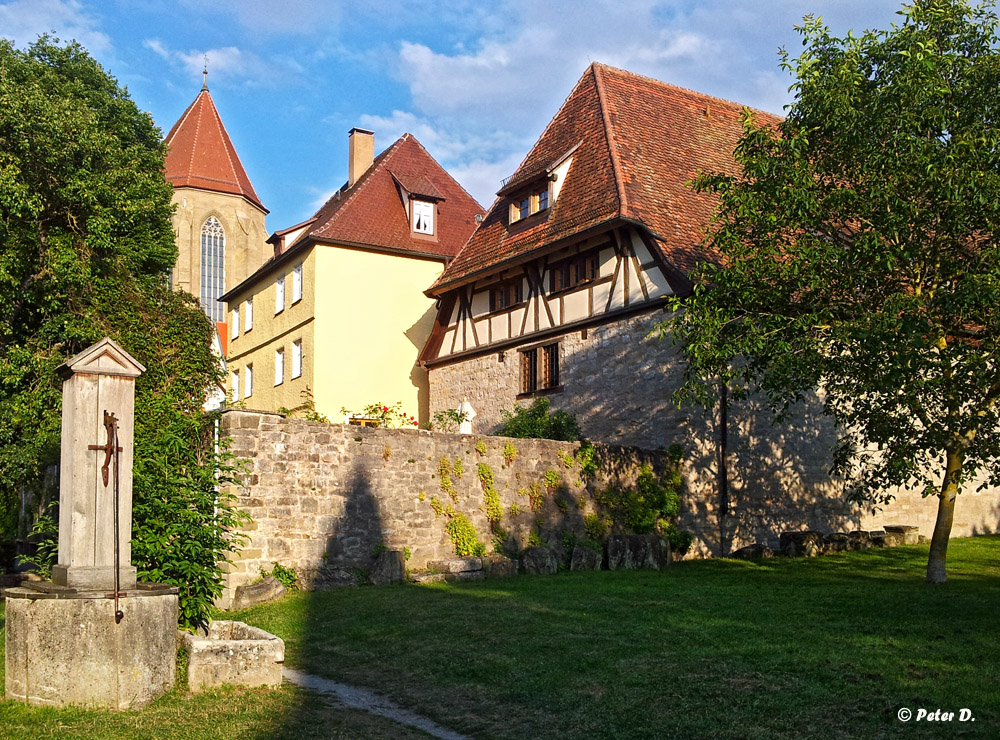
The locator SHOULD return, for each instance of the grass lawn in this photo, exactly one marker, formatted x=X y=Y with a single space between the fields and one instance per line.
x=827 y=648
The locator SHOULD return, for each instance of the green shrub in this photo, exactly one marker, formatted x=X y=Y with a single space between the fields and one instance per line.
x=595 y=526
x=45 y=533
x=535 y=422
x=642 y=508
x=286 y=575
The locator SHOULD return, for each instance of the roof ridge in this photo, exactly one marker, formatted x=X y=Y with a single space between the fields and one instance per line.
x=226 y=140
x=681 y=88
x=544 y=129
x=610 y=138
x=460 y=186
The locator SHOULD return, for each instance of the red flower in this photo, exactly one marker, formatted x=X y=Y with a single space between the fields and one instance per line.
x=385 y=408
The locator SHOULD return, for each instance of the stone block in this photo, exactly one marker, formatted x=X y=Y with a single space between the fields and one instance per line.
x=637 y=552
x=419 y=578
x=757 y=551
x=251 y=594
x=390 y=567
x=909 y=534
x=455 y=565
x=233 y=653
x=498 y=566
x=585 y=558
x=836 y=542
x=538 y=561
x=466 y=575
x=807 y=544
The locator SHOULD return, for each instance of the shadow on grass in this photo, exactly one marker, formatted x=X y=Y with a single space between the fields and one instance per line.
x=825 y=648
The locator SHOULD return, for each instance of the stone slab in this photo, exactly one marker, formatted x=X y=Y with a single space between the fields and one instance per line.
x=93 y=577
x=251 y=594
x=455 y=565
x=70 y=651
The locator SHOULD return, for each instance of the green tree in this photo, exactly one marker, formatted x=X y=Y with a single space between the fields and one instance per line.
x=858 y=255
x=87 y=246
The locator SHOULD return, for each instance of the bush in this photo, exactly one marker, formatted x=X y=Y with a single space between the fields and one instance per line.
x=535 y=422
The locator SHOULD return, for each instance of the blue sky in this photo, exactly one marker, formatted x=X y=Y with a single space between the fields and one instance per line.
x=475 y=82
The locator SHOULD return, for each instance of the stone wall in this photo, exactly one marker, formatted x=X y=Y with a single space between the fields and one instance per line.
x=615 y=378
x=323 y=497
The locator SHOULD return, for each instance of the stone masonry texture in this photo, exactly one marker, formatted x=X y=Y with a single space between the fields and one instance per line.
x=326 y=498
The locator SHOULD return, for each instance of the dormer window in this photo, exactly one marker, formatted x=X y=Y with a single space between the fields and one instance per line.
x=422 y=216
x=529 y=204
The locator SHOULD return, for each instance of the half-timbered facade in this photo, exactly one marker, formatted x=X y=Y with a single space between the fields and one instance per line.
x=558 y=291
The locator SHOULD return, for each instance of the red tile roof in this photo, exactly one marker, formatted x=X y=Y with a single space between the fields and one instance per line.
x=201 y=154
x=373 y=211
x=638 y=142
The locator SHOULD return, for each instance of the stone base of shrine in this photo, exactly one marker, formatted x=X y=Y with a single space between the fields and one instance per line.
x=64 y=646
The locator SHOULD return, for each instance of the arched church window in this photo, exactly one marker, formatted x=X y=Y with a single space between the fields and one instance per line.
x=213 y=268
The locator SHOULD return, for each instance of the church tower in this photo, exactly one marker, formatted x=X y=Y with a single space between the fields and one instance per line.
x=219 y=220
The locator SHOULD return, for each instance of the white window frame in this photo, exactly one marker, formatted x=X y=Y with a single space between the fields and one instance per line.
x=297 y=359
x=279 y=295
x=428 y=212
x=234 y=393
x=279 y=366
x=248 y=381
x=297 y=284
x=248 y=323
x=236 y=322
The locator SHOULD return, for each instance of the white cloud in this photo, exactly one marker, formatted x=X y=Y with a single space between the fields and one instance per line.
x=478 y=160
x=268 y=18
x=22 y=21
x=228 y=64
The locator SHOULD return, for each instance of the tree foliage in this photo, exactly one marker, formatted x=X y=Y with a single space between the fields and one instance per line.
x=87 y=246
x=859 y=255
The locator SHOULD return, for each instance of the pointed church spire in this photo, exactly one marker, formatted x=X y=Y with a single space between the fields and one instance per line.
x=204 y=75
x=201 y=155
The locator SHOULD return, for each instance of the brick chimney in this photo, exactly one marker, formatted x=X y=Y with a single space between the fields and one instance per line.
x=360 y=154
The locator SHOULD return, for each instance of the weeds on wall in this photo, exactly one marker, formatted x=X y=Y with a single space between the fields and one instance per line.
x=509 y=452
x=463 y=537
x=305 y=410
x=491 y=499
x=444 y=474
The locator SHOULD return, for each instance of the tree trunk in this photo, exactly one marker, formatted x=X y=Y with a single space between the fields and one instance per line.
x=945 y=517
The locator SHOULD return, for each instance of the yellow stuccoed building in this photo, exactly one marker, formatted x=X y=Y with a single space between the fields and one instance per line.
x=337 y=317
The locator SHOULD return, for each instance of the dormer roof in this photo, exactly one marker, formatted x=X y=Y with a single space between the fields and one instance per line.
x=633 y=144
x=374 y=212
x=201 y=155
